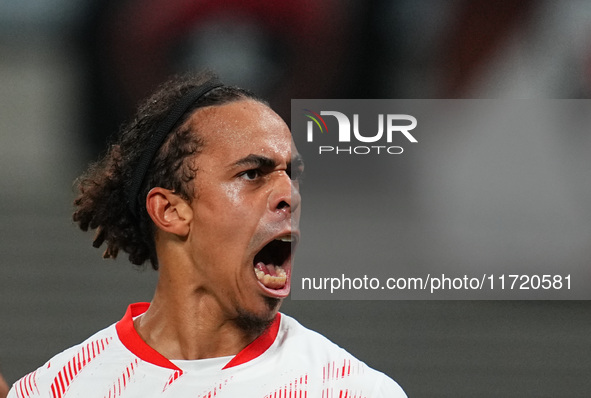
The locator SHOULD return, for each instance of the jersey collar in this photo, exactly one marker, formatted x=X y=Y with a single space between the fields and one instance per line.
x=134 y=343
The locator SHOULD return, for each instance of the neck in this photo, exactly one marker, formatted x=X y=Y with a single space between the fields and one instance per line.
x=185 y=322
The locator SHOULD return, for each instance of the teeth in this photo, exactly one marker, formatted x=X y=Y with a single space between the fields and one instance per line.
x=286 y=238
x=273 y=282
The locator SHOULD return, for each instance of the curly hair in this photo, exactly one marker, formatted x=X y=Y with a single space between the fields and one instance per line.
x=101 y=202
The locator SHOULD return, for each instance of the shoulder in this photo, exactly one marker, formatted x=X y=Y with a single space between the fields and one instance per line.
x=339 y=369
x=57 y=373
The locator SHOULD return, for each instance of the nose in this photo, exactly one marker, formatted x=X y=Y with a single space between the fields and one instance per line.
x=285 y=197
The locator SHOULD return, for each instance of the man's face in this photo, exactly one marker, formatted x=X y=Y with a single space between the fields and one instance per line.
x=246 y=208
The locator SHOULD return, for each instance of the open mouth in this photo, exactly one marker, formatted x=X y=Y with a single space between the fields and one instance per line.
x=271 y=263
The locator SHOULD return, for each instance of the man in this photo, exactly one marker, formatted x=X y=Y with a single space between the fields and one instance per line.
x=204 y=185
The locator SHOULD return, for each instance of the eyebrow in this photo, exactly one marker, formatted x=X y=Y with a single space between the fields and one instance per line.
x=256 y=161
x=265 y=162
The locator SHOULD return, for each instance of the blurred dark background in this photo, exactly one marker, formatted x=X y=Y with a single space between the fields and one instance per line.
x=72 y=71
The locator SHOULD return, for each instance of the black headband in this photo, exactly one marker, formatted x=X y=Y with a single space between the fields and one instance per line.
x=160 y=134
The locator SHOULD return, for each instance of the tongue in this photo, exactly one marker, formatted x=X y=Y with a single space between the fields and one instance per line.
x=266 y=269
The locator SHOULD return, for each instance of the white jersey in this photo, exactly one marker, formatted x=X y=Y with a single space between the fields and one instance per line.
x=286 y=361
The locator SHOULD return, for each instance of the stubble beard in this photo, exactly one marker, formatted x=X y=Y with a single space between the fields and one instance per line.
x=255 y=324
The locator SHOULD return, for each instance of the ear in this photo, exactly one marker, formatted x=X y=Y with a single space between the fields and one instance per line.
x=168 y=211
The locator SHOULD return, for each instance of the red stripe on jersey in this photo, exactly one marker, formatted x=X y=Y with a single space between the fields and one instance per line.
x=33 y=381
x=172 y=379
x=293 y=388
x=30 y=382
x=258 y=346
x=62 y=384
x=67 y=374
x=134 y=343
x=216 y=388
x=54 y=391
x=339 y=372
x=23 y=383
